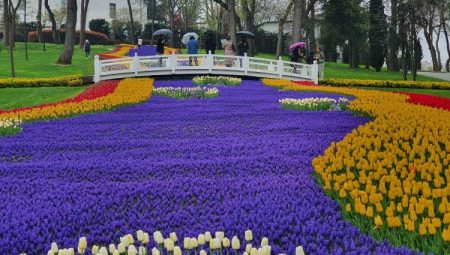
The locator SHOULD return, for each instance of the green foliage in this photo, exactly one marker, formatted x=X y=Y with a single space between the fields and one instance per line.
x=377 y=34
x=69 y=81
x=314 y=104
x=101 y=26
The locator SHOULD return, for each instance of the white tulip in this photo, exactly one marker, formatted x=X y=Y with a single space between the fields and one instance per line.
x=194 y=243
x=82 y=243
x=155 y=251
x=50 y=252
x=61 y=252
x=173 y=237
x=201 y=239
x=158 y=237
x=130 y=239
x=146 y=238
x=299 y=251
x=267 y=249
x=248 y=235
x=54 y=247
x=226 y=242
x=187 y=243
x=121 y=248
x=132 y=250
x=140 y=235
x=264 y=241
x=111 y=248
x=125 y=241
x=253 y=251
x=203 y=252
x=245 y=253
x=170 y=245
x=217 y=243
x=103 y=251
x=235 y=243
x=176 y=250
x=208 y=236
x=80 y=251
x=142 y=250
x=94 y=249
x=71 y=251
x=248 y=248
x=220 y=235
x=116 y=252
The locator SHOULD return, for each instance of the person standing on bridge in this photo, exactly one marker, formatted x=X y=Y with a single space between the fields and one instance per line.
x=242 y=48
x=160 y=47
x=229 y=49
x=192 y=46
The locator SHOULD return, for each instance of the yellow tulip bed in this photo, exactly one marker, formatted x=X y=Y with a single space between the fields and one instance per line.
x=65 y=81
x=390 y=176
x=386 y=84
x=128 y=91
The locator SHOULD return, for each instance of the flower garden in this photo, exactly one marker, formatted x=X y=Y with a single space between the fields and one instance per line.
x=368 y=177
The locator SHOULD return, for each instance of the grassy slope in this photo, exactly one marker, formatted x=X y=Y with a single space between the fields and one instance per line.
x=20 y=97
x=42 y=64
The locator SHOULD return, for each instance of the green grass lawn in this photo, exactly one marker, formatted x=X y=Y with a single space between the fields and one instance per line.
x=43 y=64
x=20 y=97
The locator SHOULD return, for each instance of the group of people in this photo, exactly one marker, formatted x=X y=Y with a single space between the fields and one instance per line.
x=210 y=46
x=299 y=54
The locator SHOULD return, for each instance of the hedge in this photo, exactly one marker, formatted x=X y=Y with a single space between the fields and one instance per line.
x=93 y=37
x=386 y=84
x=66 y=81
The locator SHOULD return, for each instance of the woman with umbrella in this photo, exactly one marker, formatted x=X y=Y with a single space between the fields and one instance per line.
x=160 y=47
x=192 y=46
x=242 y=48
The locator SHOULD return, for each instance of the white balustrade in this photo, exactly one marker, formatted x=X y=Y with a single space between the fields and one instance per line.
x=204 y=64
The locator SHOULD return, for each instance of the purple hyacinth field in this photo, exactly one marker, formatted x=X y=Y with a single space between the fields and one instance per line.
x=230 y=163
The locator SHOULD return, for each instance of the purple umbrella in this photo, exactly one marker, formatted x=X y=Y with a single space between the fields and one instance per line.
x=297 y=45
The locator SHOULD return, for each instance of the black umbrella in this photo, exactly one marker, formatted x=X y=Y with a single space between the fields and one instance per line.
x=246 y=34
x=162 y=32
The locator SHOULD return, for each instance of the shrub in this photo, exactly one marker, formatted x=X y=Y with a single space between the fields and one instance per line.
x=93 y=37
x=100 y=25
x=180 y=93
x=216 y=80
x=67 y=81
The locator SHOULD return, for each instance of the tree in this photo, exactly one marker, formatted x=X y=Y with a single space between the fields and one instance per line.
x=100 y=25
x=298 y=18
x=66 y=56
x=39 y=21
x=232 y=20
x=11 y=20
x=51 y=16
x=426 y=13
x=393 y=44
x=130 y=11
x=248 y=11
x=281 y=28
x=6 y=21
x=83 y=13
x=377 y=34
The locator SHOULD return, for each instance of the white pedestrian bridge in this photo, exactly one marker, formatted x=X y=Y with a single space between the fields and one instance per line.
x=203 y=64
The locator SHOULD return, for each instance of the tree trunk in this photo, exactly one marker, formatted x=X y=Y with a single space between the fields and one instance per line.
x=130 y=11
x=281 y=29
x=83 y=13
x=392 y=58
x=6 y=21
x=429 y=39
x=312 y=29
x=438 y=51
x=354 y=56
x=51 y=16
x=66 y=56
x=153 y=18
x=447 y=67
x=11 y=14
x=39 y=21
x=232 y=21
x=298 y=15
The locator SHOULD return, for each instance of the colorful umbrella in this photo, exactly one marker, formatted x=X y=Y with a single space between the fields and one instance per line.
x=297 y=45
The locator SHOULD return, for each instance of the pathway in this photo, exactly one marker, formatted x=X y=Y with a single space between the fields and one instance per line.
x=442 y=76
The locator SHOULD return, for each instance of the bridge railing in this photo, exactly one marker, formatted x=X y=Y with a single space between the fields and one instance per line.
x=203 y=64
